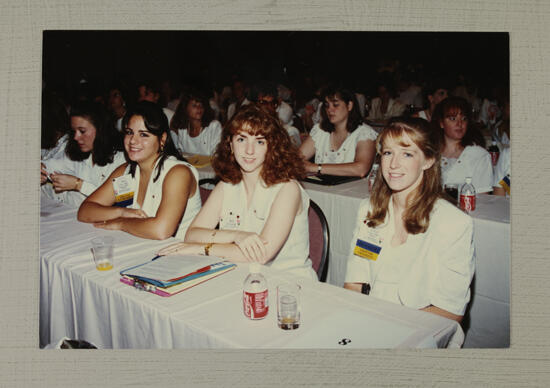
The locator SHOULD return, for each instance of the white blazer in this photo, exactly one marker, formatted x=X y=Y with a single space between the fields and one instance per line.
x=439 y=264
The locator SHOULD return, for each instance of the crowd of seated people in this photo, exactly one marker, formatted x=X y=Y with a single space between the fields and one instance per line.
x=119 y=155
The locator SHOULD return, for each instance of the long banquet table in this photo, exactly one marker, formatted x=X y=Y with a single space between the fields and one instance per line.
x=77 y=301
x=487 y=323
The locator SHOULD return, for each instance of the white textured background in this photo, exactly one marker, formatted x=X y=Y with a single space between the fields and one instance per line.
x=22 y=364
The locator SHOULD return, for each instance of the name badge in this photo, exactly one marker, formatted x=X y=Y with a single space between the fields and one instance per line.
x=370 y=246
x=124 y=190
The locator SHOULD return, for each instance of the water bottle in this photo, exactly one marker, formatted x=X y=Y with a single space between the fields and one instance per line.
x=494 y=151
x=468 y=196
x=255 y=293
x=372 y=176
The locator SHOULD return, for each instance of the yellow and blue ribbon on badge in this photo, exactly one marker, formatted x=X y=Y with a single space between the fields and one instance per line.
x=366 y=250
x=124 y=200
x=505 y=183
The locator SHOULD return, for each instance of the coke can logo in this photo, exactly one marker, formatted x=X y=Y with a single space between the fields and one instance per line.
x=255 y=305
x=467 y=202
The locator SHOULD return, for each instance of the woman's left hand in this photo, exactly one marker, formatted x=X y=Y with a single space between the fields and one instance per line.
x=114 y=224
x=63 y=182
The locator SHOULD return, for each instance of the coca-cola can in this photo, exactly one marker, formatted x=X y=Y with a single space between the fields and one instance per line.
x=468 y=202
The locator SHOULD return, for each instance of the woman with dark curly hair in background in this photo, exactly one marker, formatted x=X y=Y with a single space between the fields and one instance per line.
x=261 y=208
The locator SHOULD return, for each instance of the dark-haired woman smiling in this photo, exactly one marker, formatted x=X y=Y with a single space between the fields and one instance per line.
x=156 y=193
x=342 y=145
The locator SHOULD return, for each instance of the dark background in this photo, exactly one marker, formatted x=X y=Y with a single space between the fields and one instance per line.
x=211 y=58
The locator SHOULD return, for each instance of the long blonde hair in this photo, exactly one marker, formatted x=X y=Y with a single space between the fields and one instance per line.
x=421 y=201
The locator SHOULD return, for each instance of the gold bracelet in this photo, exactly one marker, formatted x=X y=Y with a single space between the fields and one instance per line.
x=207 y=249
x=78 y=180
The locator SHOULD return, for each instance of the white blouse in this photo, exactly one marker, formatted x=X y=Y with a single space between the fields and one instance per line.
x=203 y=144
x=92 y=175
x=153 y=194
x=57 y=151
x=346 y=152
x=236 y=215
x=474 y=162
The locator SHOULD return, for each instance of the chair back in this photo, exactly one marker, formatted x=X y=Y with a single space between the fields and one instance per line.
x=318 y=240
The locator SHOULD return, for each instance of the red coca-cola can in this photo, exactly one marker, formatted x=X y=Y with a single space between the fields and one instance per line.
x=255 y=304
x=468 y=202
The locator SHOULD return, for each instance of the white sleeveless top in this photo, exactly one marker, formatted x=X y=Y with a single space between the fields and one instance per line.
x=346 y=152
x=203 y=144
x=294 y=255
x=153 y=194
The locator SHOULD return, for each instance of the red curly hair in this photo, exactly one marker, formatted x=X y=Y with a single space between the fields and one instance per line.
x=282 y=161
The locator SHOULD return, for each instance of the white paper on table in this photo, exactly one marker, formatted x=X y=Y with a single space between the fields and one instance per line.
x=172 y=266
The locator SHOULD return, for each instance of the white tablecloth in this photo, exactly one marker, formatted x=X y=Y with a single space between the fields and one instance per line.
x=77 y=301
x=488 y=321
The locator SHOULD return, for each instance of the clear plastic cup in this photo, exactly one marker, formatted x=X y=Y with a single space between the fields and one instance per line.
x=288 y=306
x=102 y=248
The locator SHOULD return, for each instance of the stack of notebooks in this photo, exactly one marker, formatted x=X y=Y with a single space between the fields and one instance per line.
x=169 y=275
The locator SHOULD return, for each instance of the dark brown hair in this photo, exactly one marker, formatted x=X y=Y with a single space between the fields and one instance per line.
x=180 y=119
x=347 y=96
x=282 y=161
x=451 y=106
x=421 y=201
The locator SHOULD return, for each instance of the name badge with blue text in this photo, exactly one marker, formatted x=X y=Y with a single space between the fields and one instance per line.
x=124 y=190
x=369 y=246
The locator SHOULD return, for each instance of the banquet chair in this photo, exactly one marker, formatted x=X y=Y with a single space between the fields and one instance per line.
x=205 y=191
x=318 y=240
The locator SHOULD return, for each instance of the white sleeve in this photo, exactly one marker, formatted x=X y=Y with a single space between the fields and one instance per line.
x=63 y=164
x=455 y=266
x=358 y=269
x=66 y=166
x=365 y=132
x=215 y=136
x=294 y=135
x=503 y=167
x=482 y=176
x=483 y=112
x=316 y=118
x=285 y=113
x=87 y=188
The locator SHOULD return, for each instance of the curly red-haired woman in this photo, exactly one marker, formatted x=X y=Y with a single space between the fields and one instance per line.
x=259 y=205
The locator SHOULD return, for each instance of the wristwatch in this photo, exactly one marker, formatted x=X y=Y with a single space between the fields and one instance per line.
x=207 y=249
